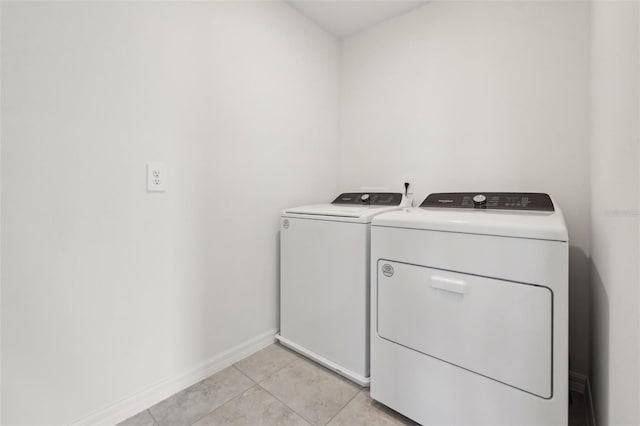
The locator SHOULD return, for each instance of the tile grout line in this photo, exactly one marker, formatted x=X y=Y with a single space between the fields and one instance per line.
x=254 y=383
x=303 y=359
x=245 y=390
x=155 y=422
x=243 y=373
x=296 y=358
x=224 y=403
x=279 y=369
x=236 y=396
x=343 y=407
x=286 y=405
x=228 y=400
x=272 y=374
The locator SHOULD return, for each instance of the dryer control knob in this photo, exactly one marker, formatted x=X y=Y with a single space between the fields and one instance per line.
x=480 y=200
x=364 y=198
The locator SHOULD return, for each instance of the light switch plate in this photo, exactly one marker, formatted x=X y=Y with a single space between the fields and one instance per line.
x=156 y=177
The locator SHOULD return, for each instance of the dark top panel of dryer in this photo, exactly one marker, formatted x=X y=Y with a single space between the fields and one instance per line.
x=369 y=198
x=527 y=201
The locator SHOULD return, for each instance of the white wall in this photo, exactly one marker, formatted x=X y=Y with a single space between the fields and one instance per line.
x=0 y=217
x=467 y=96
x=107 y=289
x=615 y=131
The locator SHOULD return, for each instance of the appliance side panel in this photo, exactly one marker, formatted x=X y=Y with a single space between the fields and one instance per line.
x=324 y=289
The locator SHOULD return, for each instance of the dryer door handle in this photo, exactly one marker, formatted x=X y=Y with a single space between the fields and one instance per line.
x=448 y=284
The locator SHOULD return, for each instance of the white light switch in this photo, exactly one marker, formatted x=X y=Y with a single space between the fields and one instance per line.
x=156 y=177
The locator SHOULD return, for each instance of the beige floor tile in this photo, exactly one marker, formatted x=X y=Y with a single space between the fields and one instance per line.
x=191 y=404
x=364 y=411
x=141 y=419
x=263 y=364
x=310 y=390
x=254 y=407
x=300 y=390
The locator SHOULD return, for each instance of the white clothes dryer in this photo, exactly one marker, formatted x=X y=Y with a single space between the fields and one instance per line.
x=469 y=310
x=324 y=280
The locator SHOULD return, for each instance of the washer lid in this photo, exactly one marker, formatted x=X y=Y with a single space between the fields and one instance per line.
x=358 y=207
x=362 y=214
x=506 y=223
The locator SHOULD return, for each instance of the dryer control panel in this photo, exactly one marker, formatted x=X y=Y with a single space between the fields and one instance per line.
x=369 y=198
x=527 y=201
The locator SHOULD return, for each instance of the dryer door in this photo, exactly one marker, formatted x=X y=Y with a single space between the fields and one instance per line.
x=495 y=328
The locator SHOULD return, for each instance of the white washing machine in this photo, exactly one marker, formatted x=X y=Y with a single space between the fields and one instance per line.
x=324 y=280
x=469 y=310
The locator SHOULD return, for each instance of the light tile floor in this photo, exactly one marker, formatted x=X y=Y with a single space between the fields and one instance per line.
x=278 y=387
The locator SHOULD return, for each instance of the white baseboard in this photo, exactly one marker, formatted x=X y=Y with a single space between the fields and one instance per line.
x=152 y=394
x=579 y=382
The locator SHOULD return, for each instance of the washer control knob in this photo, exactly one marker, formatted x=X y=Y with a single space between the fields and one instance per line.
x=364 y=198
x=480 y=200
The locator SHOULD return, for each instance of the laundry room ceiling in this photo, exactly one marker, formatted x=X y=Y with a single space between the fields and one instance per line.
x=343 y=18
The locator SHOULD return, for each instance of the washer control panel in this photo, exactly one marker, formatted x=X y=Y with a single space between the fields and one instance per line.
x=369 y=198
x=528 y=201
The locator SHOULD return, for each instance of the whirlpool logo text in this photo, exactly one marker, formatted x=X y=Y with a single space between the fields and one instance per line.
x=387 y=270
